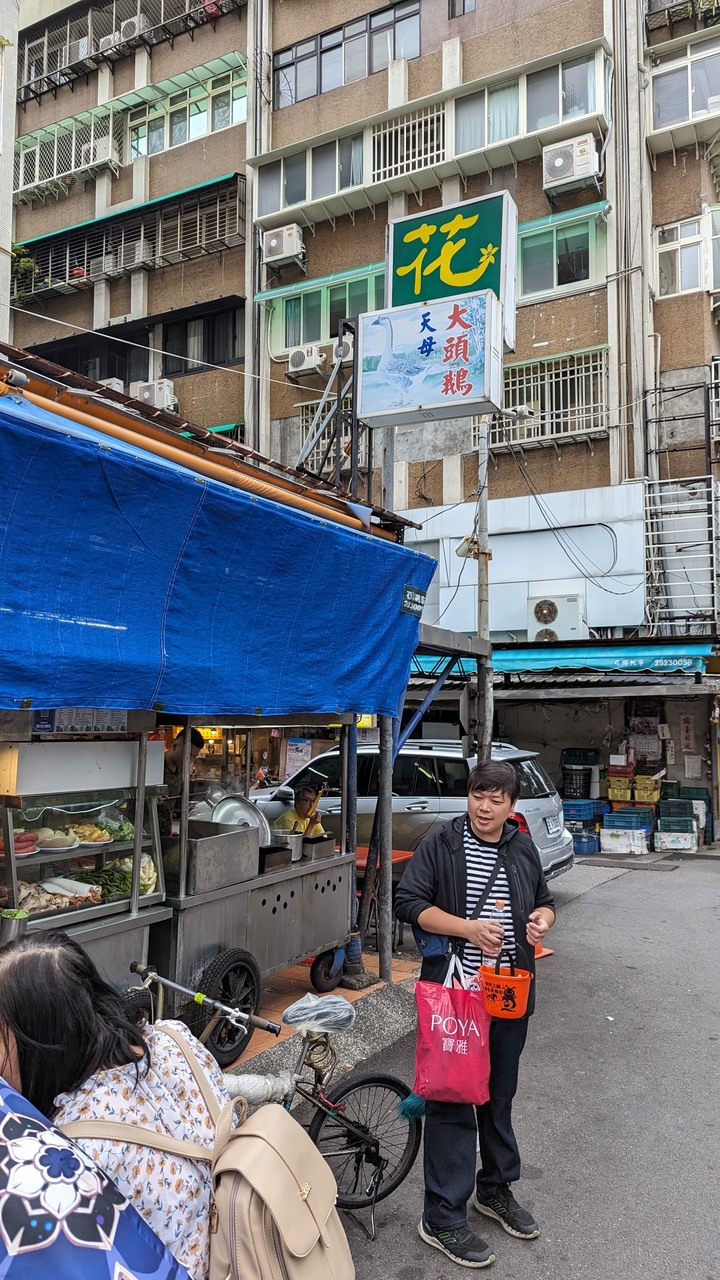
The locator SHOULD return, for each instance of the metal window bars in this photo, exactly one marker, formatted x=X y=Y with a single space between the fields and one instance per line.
x=322 y=453
x=682 y=527
x=61 y=51
x=568 y=397
x=408 y=143
x=175 y=231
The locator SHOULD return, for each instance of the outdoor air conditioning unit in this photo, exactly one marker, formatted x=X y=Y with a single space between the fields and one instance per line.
x=283 y=244
x=76 y=51
x=108 y=42
x=134 y=389
x=134 y=27
x=102 y=151
x=556 y=617
x=101 y=267
x=160 y=394
x=306 y=360
x=570 y=164
x=133 y=254
x=115 y=384
x=344 y=350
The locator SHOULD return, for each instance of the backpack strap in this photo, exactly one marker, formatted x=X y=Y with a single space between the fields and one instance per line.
x=198 y=1071
x=116 y=1132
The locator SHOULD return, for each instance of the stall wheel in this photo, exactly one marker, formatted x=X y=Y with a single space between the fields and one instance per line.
x=234 y=979
x=326 y=969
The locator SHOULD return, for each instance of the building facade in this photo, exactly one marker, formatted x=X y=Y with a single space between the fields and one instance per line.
x=8 y=53
x=203 y=191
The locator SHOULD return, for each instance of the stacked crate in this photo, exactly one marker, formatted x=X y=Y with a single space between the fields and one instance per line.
x=580 y=819
x=627 y=830
x=620 y=781
x=677 y=826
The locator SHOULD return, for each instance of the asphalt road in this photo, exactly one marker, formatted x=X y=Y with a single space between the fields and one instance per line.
x=618 y=1111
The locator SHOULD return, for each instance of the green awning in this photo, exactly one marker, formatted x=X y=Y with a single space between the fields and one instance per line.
x=567 y=215
x=138 y=208
x=317 y=282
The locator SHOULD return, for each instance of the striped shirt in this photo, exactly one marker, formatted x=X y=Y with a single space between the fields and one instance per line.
x=480 y=858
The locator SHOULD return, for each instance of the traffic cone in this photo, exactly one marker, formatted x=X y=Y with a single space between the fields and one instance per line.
x=541 y=951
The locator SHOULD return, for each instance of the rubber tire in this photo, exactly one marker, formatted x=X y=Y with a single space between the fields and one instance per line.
x=358 y=1085
x=322 y=975
x=234 y=978
x=139 y=1003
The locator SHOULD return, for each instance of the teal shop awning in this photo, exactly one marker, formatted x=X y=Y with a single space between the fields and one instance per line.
x=659 y=659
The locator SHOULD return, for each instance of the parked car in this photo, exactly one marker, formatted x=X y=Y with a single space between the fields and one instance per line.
x=429 y=786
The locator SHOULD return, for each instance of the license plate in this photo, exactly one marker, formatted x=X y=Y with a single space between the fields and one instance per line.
x=554 y=826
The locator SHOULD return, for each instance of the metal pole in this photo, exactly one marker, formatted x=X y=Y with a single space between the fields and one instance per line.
x=248 y=761
x=139 y=822
x=485 y=688
x=385 y=846
x=184 y=811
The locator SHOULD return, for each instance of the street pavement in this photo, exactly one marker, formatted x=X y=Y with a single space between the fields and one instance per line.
x=618 y=1110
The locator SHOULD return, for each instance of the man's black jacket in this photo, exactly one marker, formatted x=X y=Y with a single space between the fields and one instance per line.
x=436 y=877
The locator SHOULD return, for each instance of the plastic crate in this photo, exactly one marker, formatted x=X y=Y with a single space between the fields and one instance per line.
x=670 y=790
x=676 y=809
x=694 y=793
x=581 y=828
x=586 y=844
x=579 y=810
x=619 y=792
x=620 y=771
x=601 y=807
x=651 y=794
x=677 y=824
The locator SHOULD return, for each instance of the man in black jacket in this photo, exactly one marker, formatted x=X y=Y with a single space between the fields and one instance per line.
x=480 y=857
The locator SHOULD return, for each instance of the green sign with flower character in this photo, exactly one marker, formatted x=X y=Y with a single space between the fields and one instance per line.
x=457 y=249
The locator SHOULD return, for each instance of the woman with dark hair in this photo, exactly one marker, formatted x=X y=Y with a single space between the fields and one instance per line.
x=68 y=1044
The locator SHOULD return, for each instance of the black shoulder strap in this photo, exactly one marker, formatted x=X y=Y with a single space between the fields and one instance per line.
x=477 y=909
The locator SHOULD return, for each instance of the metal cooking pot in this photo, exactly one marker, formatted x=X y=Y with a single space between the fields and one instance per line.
x=292 y=838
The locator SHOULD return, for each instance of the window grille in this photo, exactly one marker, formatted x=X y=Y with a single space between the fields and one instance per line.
x=568 y=398
x=314 y=460
x=715 y=400
x=408 y=143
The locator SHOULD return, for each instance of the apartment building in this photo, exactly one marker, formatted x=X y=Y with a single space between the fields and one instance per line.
x=8 y=54
x=130 y=204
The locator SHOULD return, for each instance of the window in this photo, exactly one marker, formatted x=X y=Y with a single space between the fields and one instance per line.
x=568 y=396
x=561 y=258
x=689 y=90
x=533 y=779
x=314 y=315
x=680 y=258
x=414 y=776
x=470 y=122
x=334 y=166
x=323 y=772
x=452 y=776
x=217 y=338
x=187 y=115
x=560 y=93
x=346 y=54
x=457 y=8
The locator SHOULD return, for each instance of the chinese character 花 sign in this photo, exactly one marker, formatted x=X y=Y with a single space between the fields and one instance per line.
x=430 y=361
x=455 y=250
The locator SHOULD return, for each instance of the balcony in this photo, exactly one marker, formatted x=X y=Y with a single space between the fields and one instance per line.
x=186 y=226
x=568 y=398
x=668 y=14
x=682 y=526
x=66 y=49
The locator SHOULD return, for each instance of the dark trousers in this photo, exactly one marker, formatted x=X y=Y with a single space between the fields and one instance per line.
x=451 y=1133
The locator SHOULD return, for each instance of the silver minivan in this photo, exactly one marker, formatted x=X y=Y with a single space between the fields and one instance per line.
x=429 y=786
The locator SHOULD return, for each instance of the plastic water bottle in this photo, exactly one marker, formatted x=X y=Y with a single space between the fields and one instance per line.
x=497 y=916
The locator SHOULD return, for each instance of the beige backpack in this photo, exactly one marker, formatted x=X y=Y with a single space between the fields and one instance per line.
x=273 y=1213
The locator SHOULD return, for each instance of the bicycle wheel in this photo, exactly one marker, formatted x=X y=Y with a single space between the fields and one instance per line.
x=388 y=1151
x=234 y=979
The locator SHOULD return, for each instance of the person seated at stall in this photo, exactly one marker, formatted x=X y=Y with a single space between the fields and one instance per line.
x=60 y=1216
x=172 y=777
x=299 y=818
x=69 y=1042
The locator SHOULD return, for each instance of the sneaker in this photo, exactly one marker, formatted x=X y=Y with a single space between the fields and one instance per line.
x=461 y=1245
x=504 y=1208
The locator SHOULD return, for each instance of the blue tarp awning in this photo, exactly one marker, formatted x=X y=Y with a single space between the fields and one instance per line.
x=127 y=581
x=660 y=659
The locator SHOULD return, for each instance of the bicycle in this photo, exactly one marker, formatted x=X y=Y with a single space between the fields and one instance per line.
x=368 y=1143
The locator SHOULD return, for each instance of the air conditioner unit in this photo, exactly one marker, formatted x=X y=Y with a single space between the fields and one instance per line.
x=570 y=164
x=134 y=27
x=344 y=350
x=160 y=394
x=134 y=389
x=557 y=617
x=101 y=267
x=133 y=254
x=306 y=360
x=76 y=51
x=284 y=244
x=108 y=42
x=102 y=151
x=115 y=384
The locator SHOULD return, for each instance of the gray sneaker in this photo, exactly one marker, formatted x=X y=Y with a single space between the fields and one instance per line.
x=504 y=1208
x=461 y=1246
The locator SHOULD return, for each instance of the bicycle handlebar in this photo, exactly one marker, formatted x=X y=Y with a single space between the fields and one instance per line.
x=148 y=974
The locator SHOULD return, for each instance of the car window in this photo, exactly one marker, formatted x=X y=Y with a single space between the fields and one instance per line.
x=323 y=772
x=534 y=781
x=367 y=776
x=452 y=777
x=414 y=776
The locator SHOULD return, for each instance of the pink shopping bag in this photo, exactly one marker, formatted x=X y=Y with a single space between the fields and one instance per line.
x=452 y=1052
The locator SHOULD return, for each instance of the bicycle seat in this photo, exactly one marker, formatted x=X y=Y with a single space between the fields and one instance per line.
x=320 y=1013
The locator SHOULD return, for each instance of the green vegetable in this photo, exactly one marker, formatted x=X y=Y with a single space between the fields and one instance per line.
x=148 y=872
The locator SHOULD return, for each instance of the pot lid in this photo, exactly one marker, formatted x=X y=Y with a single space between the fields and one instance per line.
x=239 y=812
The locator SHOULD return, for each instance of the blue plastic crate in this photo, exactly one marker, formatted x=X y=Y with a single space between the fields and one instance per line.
x=585 y=844
x=629 y=820
x=600 y=807
x=579 y=810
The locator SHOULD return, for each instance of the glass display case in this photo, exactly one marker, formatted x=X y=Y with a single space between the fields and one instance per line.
x=68 y=857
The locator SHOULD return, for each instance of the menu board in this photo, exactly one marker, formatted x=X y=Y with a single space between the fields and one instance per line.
x=68 y=720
